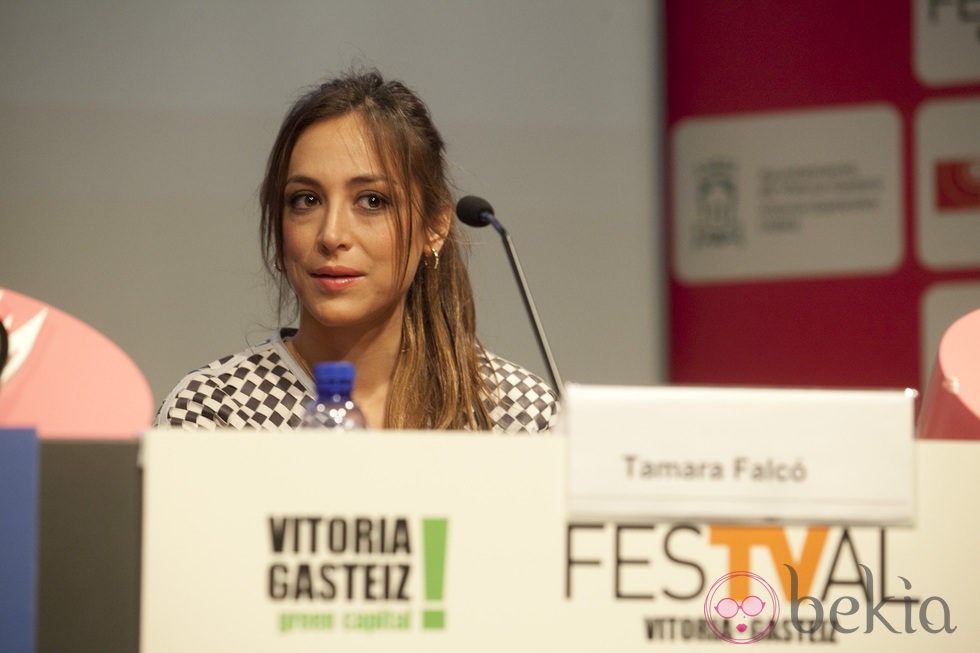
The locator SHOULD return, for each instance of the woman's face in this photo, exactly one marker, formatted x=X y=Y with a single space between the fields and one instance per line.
x=340 y=232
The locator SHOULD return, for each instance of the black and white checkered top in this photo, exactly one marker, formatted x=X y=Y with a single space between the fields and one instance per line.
x=264 y=387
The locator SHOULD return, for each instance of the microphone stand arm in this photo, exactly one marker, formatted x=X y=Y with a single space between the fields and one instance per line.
x=532 y=312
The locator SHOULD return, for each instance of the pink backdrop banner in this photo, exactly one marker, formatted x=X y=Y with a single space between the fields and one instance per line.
x=827 y=322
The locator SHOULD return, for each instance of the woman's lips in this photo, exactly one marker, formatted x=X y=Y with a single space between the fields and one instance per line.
x=336 y=277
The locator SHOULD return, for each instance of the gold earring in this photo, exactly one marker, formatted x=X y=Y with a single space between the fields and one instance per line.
x=435 y=258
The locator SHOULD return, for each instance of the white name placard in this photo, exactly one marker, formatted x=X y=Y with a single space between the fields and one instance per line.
x=739 y=454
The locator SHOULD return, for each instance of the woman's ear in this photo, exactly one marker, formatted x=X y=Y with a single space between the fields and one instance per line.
x=439 y=228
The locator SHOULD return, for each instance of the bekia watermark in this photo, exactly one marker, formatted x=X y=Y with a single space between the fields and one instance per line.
x=752 y=616
x=872 y=610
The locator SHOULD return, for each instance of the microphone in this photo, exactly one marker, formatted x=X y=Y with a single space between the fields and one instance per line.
x=477 y=212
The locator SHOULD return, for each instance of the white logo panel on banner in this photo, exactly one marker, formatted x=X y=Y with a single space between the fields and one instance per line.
x=947 y=41
x=788 y=194
x=947 y=135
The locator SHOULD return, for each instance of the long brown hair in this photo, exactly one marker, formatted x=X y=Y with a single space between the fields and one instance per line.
x=437 y=381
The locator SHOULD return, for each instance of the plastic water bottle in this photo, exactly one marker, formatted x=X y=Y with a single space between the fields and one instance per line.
x=333 y=408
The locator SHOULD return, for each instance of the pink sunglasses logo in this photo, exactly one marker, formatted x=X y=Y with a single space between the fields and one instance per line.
x=750 y=607
x=732 y=628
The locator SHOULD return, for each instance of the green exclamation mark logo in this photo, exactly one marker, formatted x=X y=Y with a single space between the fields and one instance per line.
x=434 y=565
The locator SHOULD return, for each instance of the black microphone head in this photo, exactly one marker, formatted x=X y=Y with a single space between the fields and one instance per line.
x=472 y=210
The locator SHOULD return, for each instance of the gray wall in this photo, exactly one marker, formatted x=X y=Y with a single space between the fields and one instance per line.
x=133 y=137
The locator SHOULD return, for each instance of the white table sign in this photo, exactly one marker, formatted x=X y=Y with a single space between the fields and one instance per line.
x=317 y=542
x=642 y=585
x=313 y=541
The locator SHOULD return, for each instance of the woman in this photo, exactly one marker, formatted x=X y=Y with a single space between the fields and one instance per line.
x=357 y=228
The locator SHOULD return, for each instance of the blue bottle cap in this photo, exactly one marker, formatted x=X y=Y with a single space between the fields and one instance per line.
x=336 y=377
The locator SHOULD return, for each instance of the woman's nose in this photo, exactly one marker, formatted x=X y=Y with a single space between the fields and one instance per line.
x=335 y=230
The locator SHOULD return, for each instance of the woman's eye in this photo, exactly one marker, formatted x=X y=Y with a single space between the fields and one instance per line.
x=302 y=201
x=373 y=201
